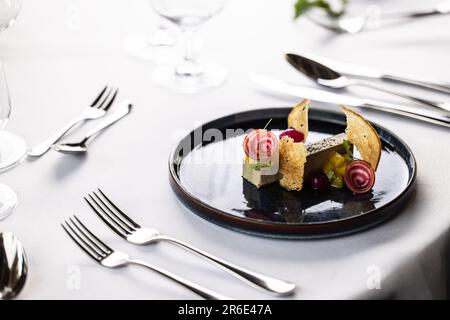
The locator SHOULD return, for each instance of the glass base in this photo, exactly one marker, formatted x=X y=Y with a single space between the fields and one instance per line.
x=212 y=76
x=159 y=48
x=12 y=150
x=8 y=201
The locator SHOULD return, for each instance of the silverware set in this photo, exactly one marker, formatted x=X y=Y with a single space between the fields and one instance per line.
x=136 y=234
x=80 y=147
x=330 y=78
x=356 y=23
x=338 y=76
x=371 y=73
x=96 y=110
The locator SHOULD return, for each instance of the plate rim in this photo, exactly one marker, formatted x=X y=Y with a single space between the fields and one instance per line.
x=194 y=203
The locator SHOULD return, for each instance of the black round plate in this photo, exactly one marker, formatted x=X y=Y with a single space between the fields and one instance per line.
x=206 y=168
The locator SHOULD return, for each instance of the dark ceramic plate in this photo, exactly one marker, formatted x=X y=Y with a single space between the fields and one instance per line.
x=205 y=173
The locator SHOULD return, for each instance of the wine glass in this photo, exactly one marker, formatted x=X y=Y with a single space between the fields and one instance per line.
x=189 y=76
x=12 y=148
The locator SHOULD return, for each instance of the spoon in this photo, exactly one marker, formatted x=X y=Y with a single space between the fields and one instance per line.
x=356 y=23
x=13 y=266
x=330 y=78
x=80 y=147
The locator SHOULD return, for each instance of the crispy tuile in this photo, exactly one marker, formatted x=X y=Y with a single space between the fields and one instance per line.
x=361 y=134
x=298 y=117
x=292 y=163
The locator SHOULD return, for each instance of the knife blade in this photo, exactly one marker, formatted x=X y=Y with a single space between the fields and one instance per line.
x=304 y=92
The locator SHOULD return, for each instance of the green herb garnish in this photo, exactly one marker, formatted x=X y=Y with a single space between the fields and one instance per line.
x=337 y=182
x=329 y=174
x=348 y=147
x=258 y=166
x=301 y=6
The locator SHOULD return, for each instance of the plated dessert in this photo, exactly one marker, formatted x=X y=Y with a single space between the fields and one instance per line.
x=346 y=160
x=308 y=172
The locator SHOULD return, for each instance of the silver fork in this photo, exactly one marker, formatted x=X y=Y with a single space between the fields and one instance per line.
x=96 y=110
x=110 y=258
x=131 y=231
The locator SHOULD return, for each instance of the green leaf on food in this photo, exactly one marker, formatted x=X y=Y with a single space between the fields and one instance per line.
x=258 y=166
x=337 y=182
x=329 y=174
x=301 y=6
x=348 y=147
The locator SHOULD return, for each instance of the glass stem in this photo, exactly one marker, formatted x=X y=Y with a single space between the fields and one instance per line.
x=190 y=66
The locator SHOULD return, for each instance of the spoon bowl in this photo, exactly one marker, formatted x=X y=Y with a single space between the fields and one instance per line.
x=13 y=266
x=70 y=148
x=318 y=72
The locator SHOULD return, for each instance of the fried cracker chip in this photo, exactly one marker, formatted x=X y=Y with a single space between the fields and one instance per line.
x=361 y=133
x=292 y=163
x=298 y=117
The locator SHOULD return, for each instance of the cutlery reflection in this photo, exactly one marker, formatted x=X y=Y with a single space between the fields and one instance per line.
x=278 y=86
x=357 y=23
x=373 y=73
x=13 y=266
x=330 y=78
x=96 y=110
x=110 y=258
x=131 y=231
x=80 y=147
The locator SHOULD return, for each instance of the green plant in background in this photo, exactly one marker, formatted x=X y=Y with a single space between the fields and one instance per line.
x=333 y=8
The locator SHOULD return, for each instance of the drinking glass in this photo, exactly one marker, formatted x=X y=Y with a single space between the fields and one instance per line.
x=190 y=75
x=12 y=148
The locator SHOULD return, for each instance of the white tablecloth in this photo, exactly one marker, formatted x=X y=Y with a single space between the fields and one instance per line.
x=60 y=53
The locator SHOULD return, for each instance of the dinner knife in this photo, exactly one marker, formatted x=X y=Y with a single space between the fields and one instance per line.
x=279 y=86
x=374 y=73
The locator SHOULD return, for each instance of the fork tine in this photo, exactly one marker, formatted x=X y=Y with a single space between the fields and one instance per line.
x=94 y=255
x=105 y=97
x=101 y=214
x=110 y=102
x=89 y=234
x=99 y=96
x=83 y=238
x=119 y=213
x=122 y=214
x=110 y=214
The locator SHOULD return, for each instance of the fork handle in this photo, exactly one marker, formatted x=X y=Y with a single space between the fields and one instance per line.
x=272 y=285
x=45 y=145
x=197 y=289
